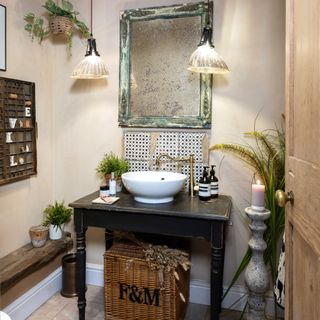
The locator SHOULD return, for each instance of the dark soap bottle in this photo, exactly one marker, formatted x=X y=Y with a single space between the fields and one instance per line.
x=214 y=183
x=204 y=186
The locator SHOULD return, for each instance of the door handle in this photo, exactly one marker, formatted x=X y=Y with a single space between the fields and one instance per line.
x=282 y=197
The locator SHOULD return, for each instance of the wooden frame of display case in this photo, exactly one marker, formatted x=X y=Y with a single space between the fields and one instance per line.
x=3 y=38
x=18 y=153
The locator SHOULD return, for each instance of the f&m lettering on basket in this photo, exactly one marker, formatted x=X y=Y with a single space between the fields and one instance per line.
x=139 y=287
x=139 y=295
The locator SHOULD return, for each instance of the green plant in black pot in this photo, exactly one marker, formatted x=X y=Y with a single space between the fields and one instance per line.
x=55 y=216
x=62 y=20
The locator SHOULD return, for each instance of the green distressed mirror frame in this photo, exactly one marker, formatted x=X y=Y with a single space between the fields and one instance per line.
x=200 y=117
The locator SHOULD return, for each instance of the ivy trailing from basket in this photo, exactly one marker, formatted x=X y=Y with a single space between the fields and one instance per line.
x=38 y=29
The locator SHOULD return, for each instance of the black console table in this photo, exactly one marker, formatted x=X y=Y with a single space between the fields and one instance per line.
x=185 y=217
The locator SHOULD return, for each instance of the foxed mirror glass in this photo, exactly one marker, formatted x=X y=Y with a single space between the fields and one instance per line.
x=156 y=89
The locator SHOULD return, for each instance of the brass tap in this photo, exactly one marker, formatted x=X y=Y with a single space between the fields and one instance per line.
x=189 y=160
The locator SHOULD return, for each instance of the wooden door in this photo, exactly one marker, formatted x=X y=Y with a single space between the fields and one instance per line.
x=303 y=157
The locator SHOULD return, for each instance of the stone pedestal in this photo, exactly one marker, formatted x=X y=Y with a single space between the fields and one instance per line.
x=256 y=274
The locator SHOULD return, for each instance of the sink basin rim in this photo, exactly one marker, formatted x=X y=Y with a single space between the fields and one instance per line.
x=153 y=186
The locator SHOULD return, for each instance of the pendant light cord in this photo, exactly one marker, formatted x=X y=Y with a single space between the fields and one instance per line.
x=210 y=13
x=91 y=17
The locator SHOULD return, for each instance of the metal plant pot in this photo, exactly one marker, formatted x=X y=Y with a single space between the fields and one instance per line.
x=69 y=275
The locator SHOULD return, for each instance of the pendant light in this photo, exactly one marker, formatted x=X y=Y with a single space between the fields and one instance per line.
x=205 y=59
x=92 y=66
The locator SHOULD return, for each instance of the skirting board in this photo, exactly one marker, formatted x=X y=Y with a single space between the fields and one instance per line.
x=30 y=301
x=21 y=308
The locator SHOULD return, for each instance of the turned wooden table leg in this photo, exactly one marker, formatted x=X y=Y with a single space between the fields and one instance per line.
x=81 y=272
x=217 y=262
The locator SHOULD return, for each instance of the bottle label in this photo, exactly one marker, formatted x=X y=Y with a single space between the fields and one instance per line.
x=214 y=187
x=204 y=190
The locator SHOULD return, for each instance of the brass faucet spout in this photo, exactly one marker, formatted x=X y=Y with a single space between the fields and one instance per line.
x=189 y=160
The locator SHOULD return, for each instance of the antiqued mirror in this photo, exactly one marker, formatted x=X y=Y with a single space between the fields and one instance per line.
x=156 y=89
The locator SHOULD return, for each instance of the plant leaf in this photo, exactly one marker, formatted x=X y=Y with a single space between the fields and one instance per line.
x=243 y=153
x=54 y=9
x=28 y=27
x=66 y=5
x=29 y=16
x=39 y=22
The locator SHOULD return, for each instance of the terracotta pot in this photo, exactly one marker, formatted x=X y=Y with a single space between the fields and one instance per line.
x=38 y=235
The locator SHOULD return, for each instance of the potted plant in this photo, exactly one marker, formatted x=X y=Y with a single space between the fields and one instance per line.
x=62 y=20
x=55 y=216
x=267 y=160
x=112 y=163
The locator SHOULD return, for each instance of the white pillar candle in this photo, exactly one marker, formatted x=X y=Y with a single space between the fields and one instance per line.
x=257 y=200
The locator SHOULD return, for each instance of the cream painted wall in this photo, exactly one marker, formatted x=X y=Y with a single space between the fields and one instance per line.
x=78 y=119
x=249 y=34
x=22 y=203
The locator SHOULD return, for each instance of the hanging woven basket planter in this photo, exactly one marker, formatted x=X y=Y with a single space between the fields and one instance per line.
x=61 y=25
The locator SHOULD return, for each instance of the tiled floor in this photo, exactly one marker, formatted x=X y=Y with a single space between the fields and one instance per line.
x=60 y=308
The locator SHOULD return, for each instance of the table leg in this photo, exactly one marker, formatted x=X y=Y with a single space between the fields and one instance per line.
x=81 y=272
x=217 y=261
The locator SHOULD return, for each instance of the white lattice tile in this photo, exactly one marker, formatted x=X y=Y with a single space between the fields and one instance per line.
x=137 y=145
x=166 y=142
x=198 y=169
x=191 y=143
x=169 y=166
x=138 y=165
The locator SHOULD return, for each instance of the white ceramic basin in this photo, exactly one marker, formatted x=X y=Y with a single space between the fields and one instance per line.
x=153 y=186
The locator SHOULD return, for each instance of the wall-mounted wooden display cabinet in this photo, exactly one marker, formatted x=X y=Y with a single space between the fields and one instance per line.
x=18 y=156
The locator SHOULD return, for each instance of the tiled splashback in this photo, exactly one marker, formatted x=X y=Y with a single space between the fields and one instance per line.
x=142 y=148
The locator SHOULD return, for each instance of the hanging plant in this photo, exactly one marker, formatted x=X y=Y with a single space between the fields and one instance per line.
x=62 y=19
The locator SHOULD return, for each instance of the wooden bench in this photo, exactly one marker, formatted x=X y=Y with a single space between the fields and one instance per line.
x=22 y=262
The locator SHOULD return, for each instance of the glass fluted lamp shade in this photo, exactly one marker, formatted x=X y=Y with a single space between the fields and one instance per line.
x=91 y=67
x=205 y=59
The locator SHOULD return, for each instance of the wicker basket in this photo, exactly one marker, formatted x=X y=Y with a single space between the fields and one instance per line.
x=60 y=25
x=132 y=289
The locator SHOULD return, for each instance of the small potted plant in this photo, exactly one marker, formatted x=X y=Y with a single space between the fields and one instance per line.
x=55 y=216
x=112 y=163
x=62 y=20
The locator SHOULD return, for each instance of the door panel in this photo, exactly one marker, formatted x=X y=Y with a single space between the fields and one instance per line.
x=302 y=290
x=303 y=180
x=305 y=270
x=306 y=67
